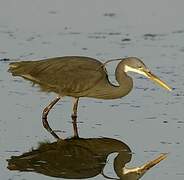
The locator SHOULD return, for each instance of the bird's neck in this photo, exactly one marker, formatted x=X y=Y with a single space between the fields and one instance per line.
x=124 y=86
x=125 y=82
x=110 y=91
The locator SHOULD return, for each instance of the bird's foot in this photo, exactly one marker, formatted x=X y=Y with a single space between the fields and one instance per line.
x=54 y=135
x=76 y=136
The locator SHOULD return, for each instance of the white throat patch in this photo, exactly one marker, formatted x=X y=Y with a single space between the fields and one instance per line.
x=130 y=69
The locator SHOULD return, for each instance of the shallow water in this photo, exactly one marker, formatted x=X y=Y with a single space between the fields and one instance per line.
x=149 y=120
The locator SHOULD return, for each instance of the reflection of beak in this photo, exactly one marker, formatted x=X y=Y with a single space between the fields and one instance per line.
x=144 y=168
x=138 y=172
x=157 y=80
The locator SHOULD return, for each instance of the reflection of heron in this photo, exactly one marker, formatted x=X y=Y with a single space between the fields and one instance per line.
x=63 y=159
x=80 y=77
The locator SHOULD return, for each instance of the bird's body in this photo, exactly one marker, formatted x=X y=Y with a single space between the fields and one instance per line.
x=73 y=76
x=77 y=77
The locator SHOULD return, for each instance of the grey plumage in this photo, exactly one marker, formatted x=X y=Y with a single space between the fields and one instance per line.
x=62 y=75
x=71 y=76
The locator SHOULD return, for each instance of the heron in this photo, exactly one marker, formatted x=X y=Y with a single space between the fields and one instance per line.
x=79 y=76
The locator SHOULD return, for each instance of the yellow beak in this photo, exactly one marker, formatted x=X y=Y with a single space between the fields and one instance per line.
x=158 y=80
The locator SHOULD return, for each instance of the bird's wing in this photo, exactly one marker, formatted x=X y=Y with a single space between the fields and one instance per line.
x=71 y=75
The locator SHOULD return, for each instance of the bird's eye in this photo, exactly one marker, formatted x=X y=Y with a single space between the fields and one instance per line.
x=140 y=67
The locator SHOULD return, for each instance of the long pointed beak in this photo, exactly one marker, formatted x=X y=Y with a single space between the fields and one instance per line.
x=158 y=80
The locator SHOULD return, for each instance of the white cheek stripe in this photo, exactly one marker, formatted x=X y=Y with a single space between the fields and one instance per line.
x=128 y=68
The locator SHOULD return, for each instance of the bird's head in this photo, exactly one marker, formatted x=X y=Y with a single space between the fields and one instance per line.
x=134 y=64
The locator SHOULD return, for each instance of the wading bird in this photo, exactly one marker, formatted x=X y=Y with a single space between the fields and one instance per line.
x=78 y=77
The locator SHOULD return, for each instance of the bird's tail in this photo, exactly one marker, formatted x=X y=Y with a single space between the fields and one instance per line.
x=19 y=68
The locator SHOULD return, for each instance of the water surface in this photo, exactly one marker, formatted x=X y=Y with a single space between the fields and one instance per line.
x=149 y=120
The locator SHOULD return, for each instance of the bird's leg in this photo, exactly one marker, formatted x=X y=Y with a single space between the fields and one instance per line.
x=75 y=105
x=44 y=117
x=74 y=117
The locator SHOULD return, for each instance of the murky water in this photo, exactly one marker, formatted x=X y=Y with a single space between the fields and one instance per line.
x=149 y=120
